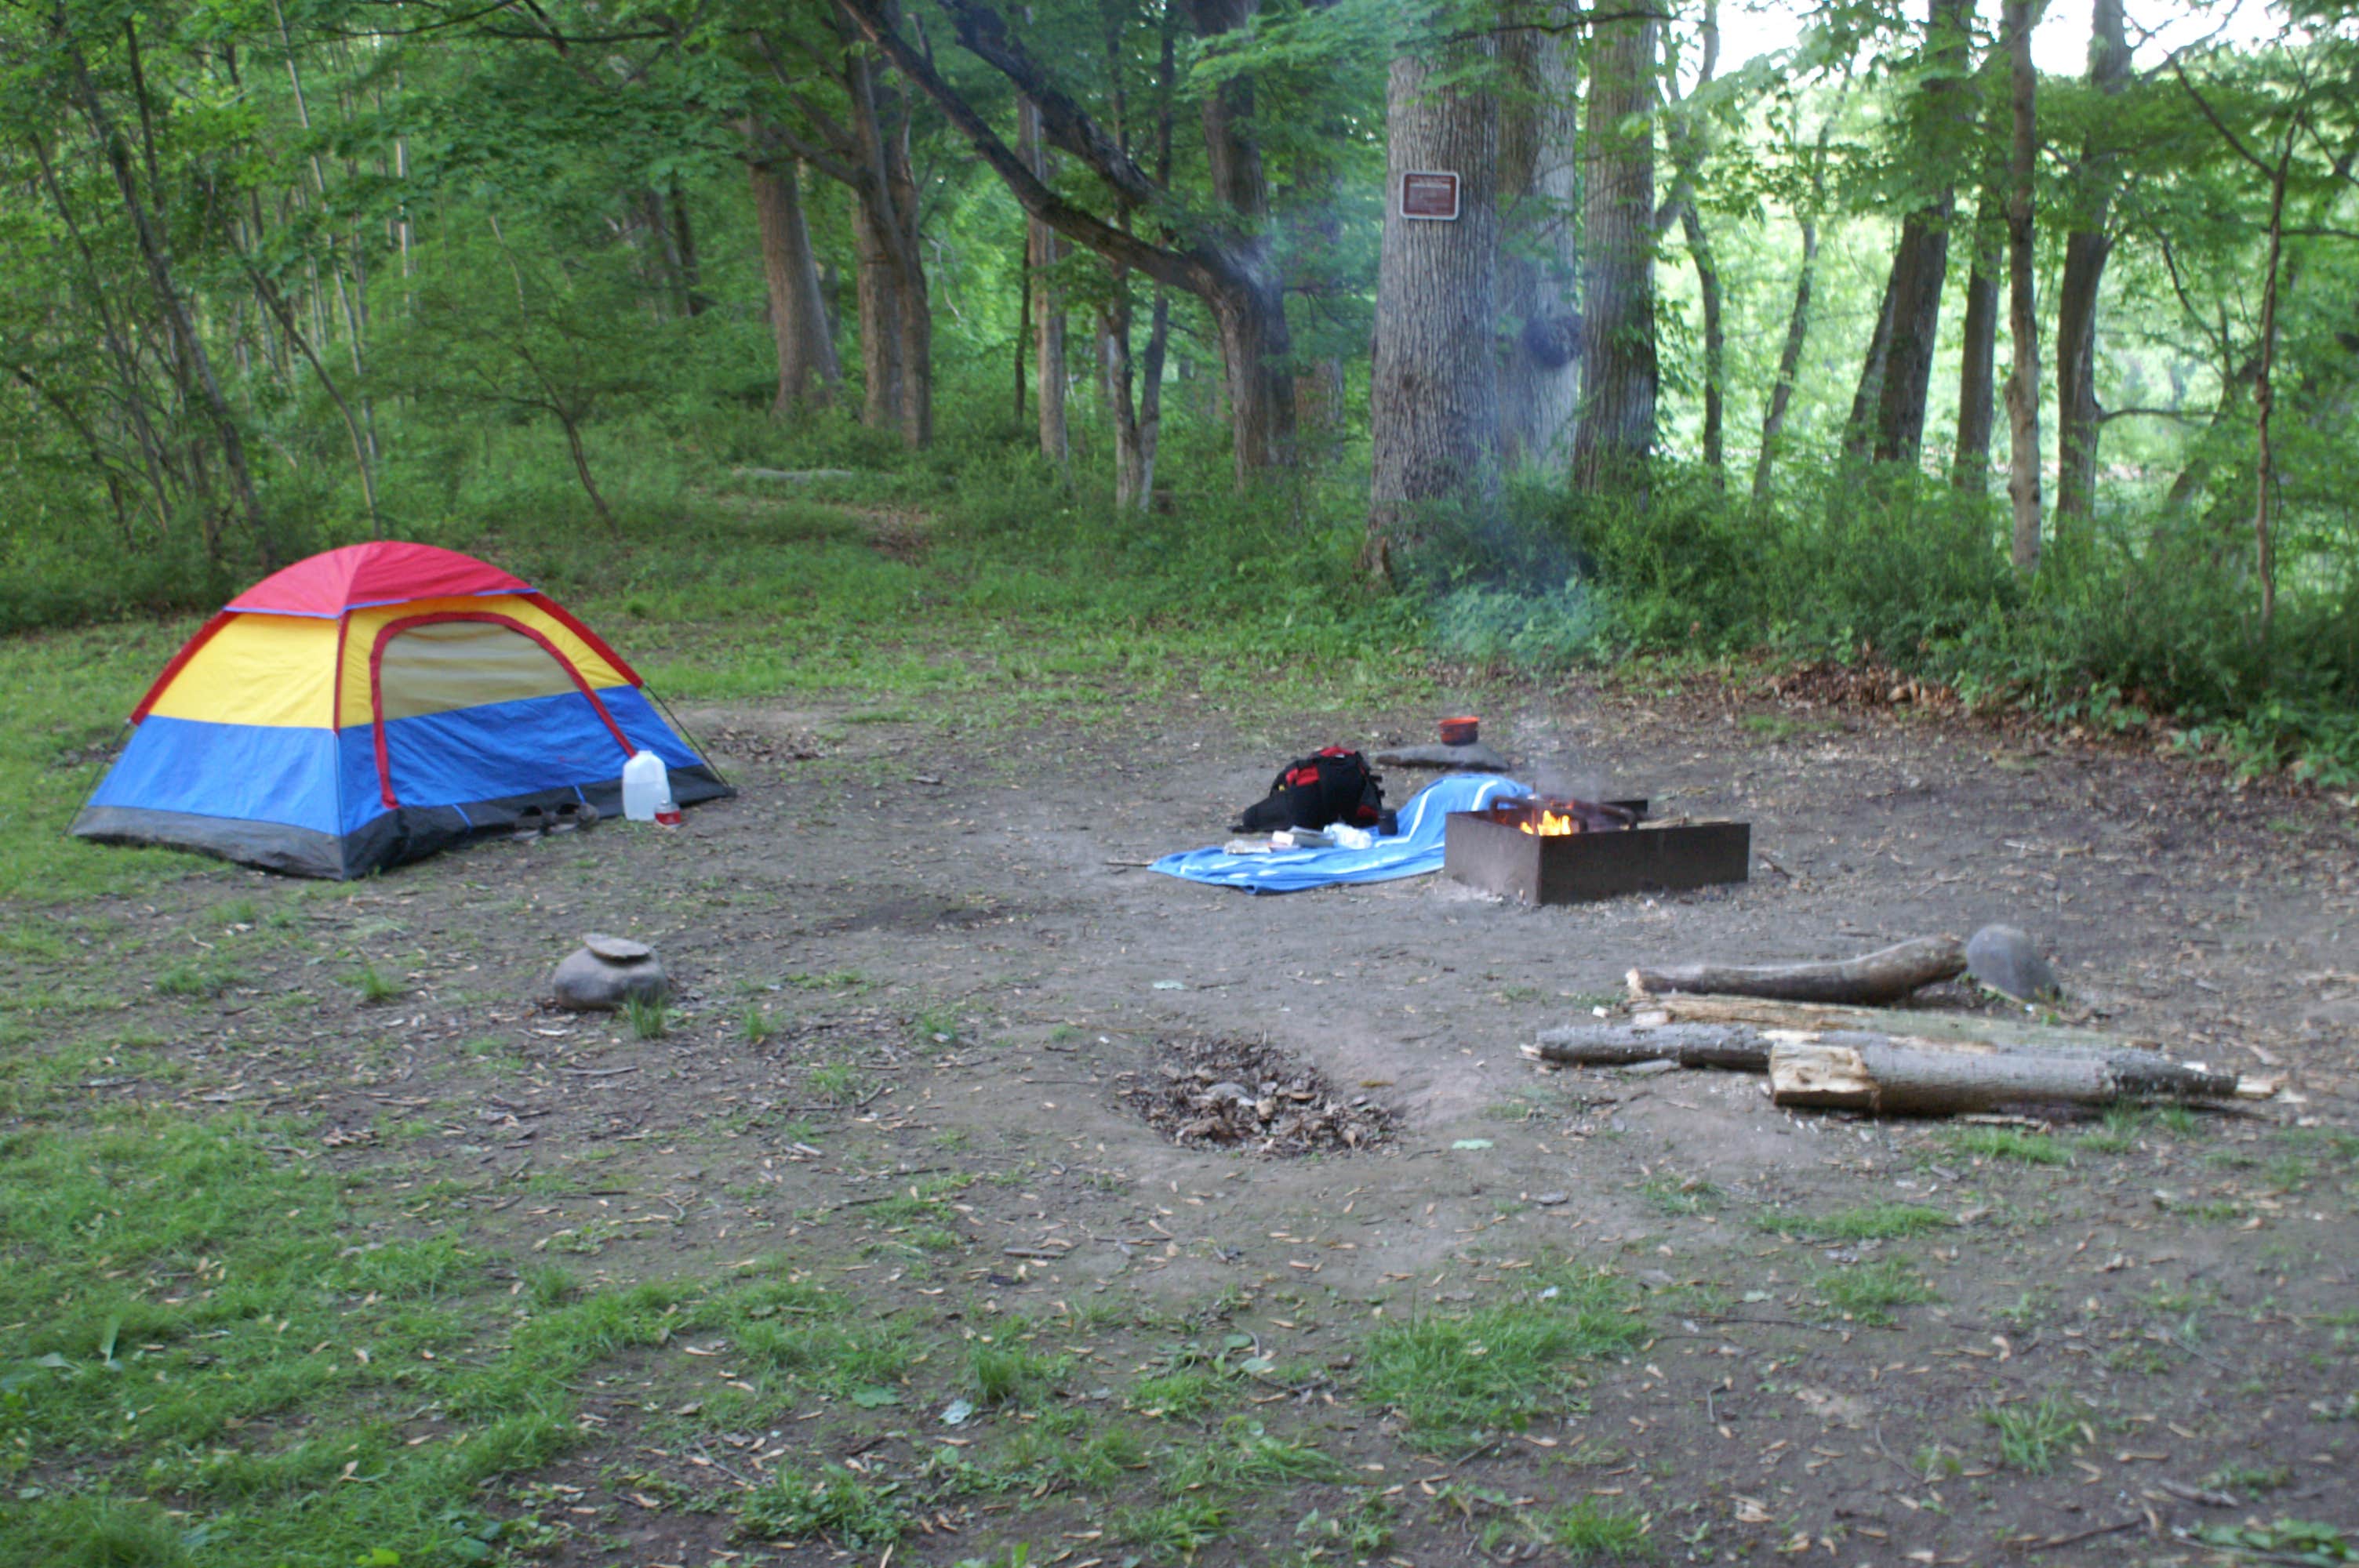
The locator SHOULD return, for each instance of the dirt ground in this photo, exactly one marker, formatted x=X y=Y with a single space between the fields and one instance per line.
x=962 y=970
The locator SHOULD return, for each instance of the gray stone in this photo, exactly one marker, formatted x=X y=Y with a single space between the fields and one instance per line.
x=622 y=949
x=2004 y=959
x=590 y=981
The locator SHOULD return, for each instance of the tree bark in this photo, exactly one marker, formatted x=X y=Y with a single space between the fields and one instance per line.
x=1797 y=319
x=1921 y=264
x=2087 y=247
x=153 y=252
x=1539 y=196
x=1433 y=398
x=1886 y=975
x=1250 y=309
x=1715 y=341
x=1889 y=1077
x=2023 y=315
x=1041 y=251
x=2264 y=398
x=1614 y=444
x=1978 y=364
x=809 y=372
x=1859 y=432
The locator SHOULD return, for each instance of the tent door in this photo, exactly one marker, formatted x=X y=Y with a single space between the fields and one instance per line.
x=459 y=665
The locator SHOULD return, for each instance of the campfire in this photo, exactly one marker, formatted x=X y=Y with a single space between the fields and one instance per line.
x=1554 y=818
x=1567 y=851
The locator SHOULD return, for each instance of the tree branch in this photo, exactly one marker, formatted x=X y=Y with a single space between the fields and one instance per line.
x=984 y=34
x=1179 y=270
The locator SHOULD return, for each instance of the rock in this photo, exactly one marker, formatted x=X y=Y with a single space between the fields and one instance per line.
x=608 y=971
x=2006 y=959
x=622 y=949
x=1474 y=757
x=1224 y=1092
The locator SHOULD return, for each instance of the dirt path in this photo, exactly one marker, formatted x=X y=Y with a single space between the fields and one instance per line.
x=1881 y=1342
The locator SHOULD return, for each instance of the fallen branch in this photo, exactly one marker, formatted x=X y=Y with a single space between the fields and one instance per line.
x=1737 y=1049
x=1883 y=976
x=1871 y=1073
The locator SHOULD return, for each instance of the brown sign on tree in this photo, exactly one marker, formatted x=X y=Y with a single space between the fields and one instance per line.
x=1430 y=194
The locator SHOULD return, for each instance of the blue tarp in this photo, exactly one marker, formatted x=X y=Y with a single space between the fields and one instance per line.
x=1414 y=851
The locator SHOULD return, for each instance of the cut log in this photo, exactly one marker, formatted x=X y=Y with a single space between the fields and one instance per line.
x=1883 y=976
x=1870 y=1073
x=1619 y=1045
x=1980 y=1028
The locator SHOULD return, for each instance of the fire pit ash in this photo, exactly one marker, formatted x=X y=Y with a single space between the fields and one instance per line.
x=1570 y=851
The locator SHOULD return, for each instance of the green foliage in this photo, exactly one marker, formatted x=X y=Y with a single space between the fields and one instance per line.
x=849 y=1509
x=2010 y=1143
x=2034 y=1434
x=1867 y=1293
x=1498 y=1368
x=1589 y=1531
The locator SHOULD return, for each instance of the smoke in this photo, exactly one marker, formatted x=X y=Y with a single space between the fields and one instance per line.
x=1560 y=771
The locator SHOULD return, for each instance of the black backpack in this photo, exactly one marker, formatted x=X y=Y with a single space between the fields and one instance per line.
x=1331 y=785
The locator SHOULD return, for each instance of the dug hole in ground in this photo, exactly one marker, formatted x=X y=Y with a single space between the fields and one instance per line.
x=1026 y=1305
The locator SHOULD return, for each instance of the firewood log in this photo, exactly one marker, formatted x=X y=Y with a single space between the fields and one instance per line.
x=1883 y=976
x=1867 y=1072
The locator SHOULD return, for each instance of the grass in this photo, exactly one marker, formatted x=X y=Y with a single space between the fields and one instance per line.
x=1870 y=1222
x=650 y=1017
x=198 y=981
x=1005 y=1374
x=1456 y=1378
x=1867 y=1293
x=846 y=1508
x=203 y=1319
x=756 y=1025
x=2011 y=1144
x=1589 y=1531
x=375 y=986
x=2033 y=1435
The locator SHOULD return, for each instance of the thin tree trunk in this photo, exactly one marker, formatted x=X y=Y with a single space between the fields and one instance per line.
x=1022 y=340
x=2264 y=397
x=361 y=454
x=1859 y=432
x=2087 y=247
x=1715 y=341
x=1920 y=265
x=1614 y=445
x=683 y=249
x=1250 y=304
x=1539 y=195
x=809 y=372
x=157 y=258
x=1040 y=253
x=581 y=465
x=1978 y=364
x=1433 y=403
x=1790 y=364
x=2023 y=317
x=1797 y=319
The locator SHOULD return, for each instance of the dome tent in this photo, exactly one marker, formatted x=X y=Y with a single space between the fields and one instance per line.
x=374 y=705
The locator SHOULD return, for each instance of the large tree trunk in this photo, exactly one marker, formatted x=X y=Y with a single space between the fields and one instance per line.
x=1433 y=400
x=1539 y=193
x=1251 y=308
x=1920 y=265
x=809 y=372
x=2087 y=247
x=1040 y=253
x=2023 y=318
x=1614 y=445
x=878 y=283
x=1978 y=365
x=896 y=317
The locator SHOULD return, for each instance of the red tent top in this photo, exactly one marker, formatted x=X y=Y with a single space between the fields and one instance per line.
x=386 y=573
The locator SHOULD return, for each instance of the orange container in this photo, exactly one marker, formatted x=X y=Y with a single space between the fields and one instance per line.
x=1460 y=731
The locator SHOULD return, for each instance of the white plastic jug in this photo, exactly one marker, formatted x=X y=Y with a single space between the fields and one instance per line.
x=646 y=788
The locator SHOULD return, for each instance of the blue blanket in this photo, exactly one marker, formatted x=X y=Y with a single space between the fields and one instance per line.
x=1415 y=850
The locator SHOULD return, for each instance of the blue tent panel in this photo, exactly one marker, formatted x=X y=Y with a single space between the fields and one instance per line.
x=257 y=772
x=1415 y=850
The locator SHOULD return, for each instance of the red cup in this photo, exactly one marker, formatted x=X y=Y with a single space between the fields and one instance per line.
x=1459 y=731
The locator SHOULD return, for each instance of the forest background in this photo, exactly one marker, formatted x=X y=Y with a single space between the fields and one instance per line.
x=1885 y=345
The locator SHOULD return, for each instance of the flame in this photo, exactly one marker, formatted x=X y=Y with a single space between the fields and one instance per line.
x=1551 y=824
